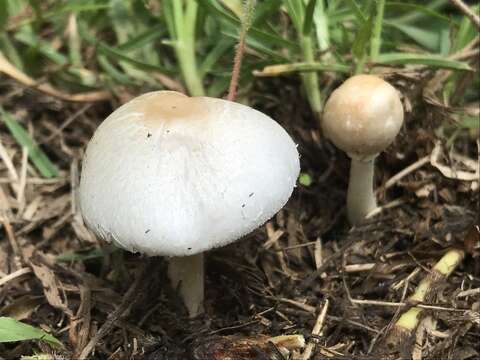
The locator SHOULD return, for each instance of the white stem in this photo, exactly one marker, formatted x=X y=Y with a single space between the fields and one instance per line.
x=360 y=198
x=186 y=274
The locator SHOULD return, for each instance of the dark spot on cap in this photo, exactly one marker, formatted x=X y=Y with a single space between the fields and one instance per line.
x=243 y=205
x=147 y=231
x=167 y=131
x=251 y=194
x=148 y=135
x=189 y=248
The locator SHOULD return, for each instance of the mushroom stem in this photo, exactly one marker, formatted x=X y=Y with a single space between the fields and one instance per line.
x=360 y=198
x=186 y=274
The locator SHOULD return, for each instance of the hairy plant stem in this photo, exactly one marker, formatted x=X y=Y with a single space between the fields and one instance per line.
x=247 y=15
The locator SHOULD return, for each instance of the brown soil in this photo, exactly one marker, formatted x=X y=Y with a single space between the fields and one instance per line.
x=274 y=282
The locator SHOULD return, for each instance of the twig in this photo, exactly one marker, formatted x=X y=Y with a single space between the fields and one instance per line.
x=14 y=275
x=67 y=122
x=314 y=275
x=390 y=205
x=121 y=311
x=234 y=327
x=317 y=328
x=9 y=165
x=311 y=309
x=292 y=247
x=467 y=11
x=23 y=182
x=469 y=292
x=404 y=304
x=409 y=169
x=10 y=70
x=13 y=241
x=237 y=63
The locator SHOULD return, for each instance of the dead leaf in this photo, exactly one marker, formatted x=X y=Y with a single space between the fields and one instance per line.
x=50 y=287
x=23 y=307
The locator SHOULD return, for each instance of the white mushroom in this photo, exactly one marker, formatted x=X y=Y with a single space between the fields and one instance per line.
x=167 y=174
x=362 y=117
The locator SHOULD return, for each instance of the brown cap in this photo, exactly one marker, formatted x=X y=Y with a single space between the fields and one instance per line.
x=363 y=116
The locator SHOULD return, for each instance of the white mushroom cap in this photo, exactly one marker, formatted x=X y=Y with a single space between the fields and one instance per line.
x=363 y=116
x=167 y=174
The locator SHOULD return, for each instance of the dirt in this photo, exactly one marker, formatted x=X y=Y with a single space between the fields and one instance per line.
x=277 y=280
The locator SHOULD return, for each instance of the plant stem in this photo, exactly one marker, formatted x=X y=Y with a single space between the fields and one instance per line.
x=185 y=45
x=237 y=63
x=186 y=274
x=310 y=79
x=360 y=198
x=376 y=38
x=408 y=321
x=321 y=21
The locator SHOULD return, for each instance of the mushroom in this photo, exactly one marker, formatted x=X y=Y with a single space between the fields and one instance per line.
x=172 y=175
x=362 y=117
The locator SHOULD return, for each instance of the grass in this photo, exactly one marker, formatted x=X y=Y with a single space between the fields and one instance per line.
x=96 y=50
x=104 y=44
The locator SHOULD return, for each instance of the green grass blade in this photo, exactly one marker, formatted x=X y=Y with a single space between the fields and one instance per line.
x=254 y=32
x=32 y=40
x=9 y=49
x=62 y=9
x=111 y=71
x=296 y=11
x=4 y=14
x=87 y=254
x=13 y=330
x=422 y=59
x=429 y=39
x=321 y=21
x=46 y=168
x=415 y=12
x=357 y=12
x=142 y=39
x=469 y=122
x=260 y=46
x=116 y=54
x=466 y=32
x=215 y=54
x=307 y=22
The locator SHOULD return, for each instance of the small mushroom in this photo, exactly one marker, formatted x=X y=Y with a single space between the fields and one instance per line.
x=172 y=175
x=362 y=117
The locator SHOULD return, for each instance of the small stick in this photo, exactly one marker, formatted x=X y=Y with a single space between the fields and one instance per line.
x=122 y=310
x=13 y=242
x=409 y=169
x=248 y=9
x=14 y=275
x=469 y=292
x=23 y=182
x=311 y=309
x=404 y=304
x=317 y=328
x=11 y=71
